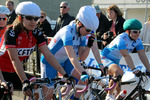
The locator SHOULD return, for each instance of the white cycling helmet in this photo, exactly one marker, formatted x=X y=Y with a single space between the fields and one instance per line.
x=28 y=8
x=87 y=16
x=4 y=10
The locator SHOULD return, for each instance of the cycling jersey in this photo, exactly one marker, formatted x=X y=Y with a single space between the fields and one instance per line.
x=2 y=31
x=66 y=36
x=24 y=43
x=121 y=42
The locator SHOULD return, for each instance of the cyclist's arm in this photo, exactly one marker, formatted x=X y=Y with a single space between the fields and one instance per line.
x=17 y=64
x=127 y=58
x=144 y=59
x=96 y=52
x=83 y=52
x=73 y=58
x=51 y=59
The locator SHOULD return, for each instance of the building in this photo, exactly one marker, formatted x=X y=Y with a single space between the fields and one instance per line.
x=139 y=9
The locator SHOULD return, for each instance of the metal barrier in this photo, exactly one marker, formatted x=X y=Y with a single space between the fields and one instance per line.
x=32 y=64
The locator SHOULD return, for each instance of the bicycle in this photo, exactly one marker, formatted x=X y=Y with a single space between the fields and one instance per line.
x=40 y=82
x=138 y=93
x=7 y=95
x=95 y=90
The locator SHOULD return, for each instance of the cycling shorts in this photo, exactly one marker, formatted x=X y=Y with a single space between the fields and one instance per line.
x=13 y=77
x=48 y=71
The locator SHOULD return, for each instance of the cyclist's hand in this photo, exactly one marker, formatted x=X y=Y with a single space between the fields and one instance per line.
x=4 y=83
x=68 y=79
x=137 y=72
x=84 y=77
x=90 y=41
x=102 y=69
x=26 y=88
x=8 y=87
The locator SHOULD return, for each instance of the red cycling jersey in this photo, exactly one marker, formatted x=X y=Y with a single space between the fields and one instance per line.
x=24 y=42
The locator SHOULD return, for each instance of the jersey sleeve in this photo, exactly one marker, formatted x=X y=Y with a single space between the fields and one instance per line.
x=139 y=46
x=39 y=37
x=10 y=38
x=67 y=38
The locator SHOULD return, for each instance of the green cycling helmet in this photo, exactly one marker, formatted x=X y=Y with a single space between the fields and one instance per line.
x=132 y=24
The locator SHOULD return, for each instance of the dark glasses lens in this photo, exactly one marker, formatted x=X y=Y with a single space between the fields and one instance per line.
x=63 y=7
x=42 y=17
x=136 y=31
x=31 y=18
x=88 y=30
x=3 y=18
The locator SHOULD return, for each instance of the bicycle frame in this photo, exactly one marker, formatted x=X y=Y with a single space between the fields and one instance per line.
x=138 y=89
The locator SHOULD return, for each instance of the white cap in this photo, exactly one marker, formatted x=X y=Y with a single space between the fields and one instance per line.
x=4 y=10
x=28 y=8
x=87 y=16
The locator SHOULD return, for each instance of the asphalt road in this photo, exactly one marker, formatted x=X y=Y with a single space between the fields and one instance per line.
x=17 y=95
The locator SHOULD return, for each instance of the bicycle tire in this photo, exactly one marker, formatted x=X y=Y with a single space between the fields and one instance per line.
x=146 y=96
x=92 y=96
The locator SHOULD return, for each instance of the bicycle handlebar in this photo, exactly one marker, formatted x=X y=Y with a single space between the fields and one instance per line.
x=8 y=91
x=83 y=90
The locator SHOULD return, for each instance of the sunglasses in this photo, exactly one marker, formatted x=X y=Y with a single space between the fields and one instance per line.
x=3 y=18
x=63 y=7
x=88 y=30
x=31 y=18
x=42 y=17
x=136 y=31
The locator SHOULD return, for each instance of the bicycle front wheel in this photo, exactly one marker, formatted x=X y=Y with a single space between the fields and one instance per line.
x=145 y=96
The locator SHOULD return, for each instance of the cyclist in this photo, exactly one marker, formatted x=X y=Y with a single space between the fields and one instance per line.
x=19 y=42
x=70 y=41
x=121 y=46
x=4 y=11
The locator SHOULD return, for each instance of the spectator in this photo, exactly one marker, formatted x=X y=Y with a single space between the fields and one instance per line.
x=145 y=34
x=64 y=18
x=19 y=43
x=115 y=25
x=12 y=15
x=103 y=26
x=3 y=19
x=44 y=25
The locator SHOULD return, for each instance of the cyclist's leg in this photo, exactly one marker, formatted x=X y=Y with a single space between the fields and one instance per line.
x=48 y=71
x=114 y=70
x=68 y=67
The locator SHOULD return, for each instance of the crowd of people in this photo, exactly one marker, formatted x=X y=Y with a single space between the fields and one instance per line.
x=73 y=37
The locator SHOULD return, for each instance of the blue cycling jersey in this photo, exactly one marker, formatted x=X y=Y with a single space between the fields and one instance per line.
x=121 y=42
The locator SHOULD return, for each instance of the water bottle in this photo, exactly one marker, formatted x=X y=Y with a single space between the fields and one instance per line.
x=121 y=95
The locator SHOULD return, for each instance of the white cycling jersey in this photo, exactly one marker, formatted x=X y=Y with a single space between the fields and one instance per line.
x=122 y=41
x=66 y=36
